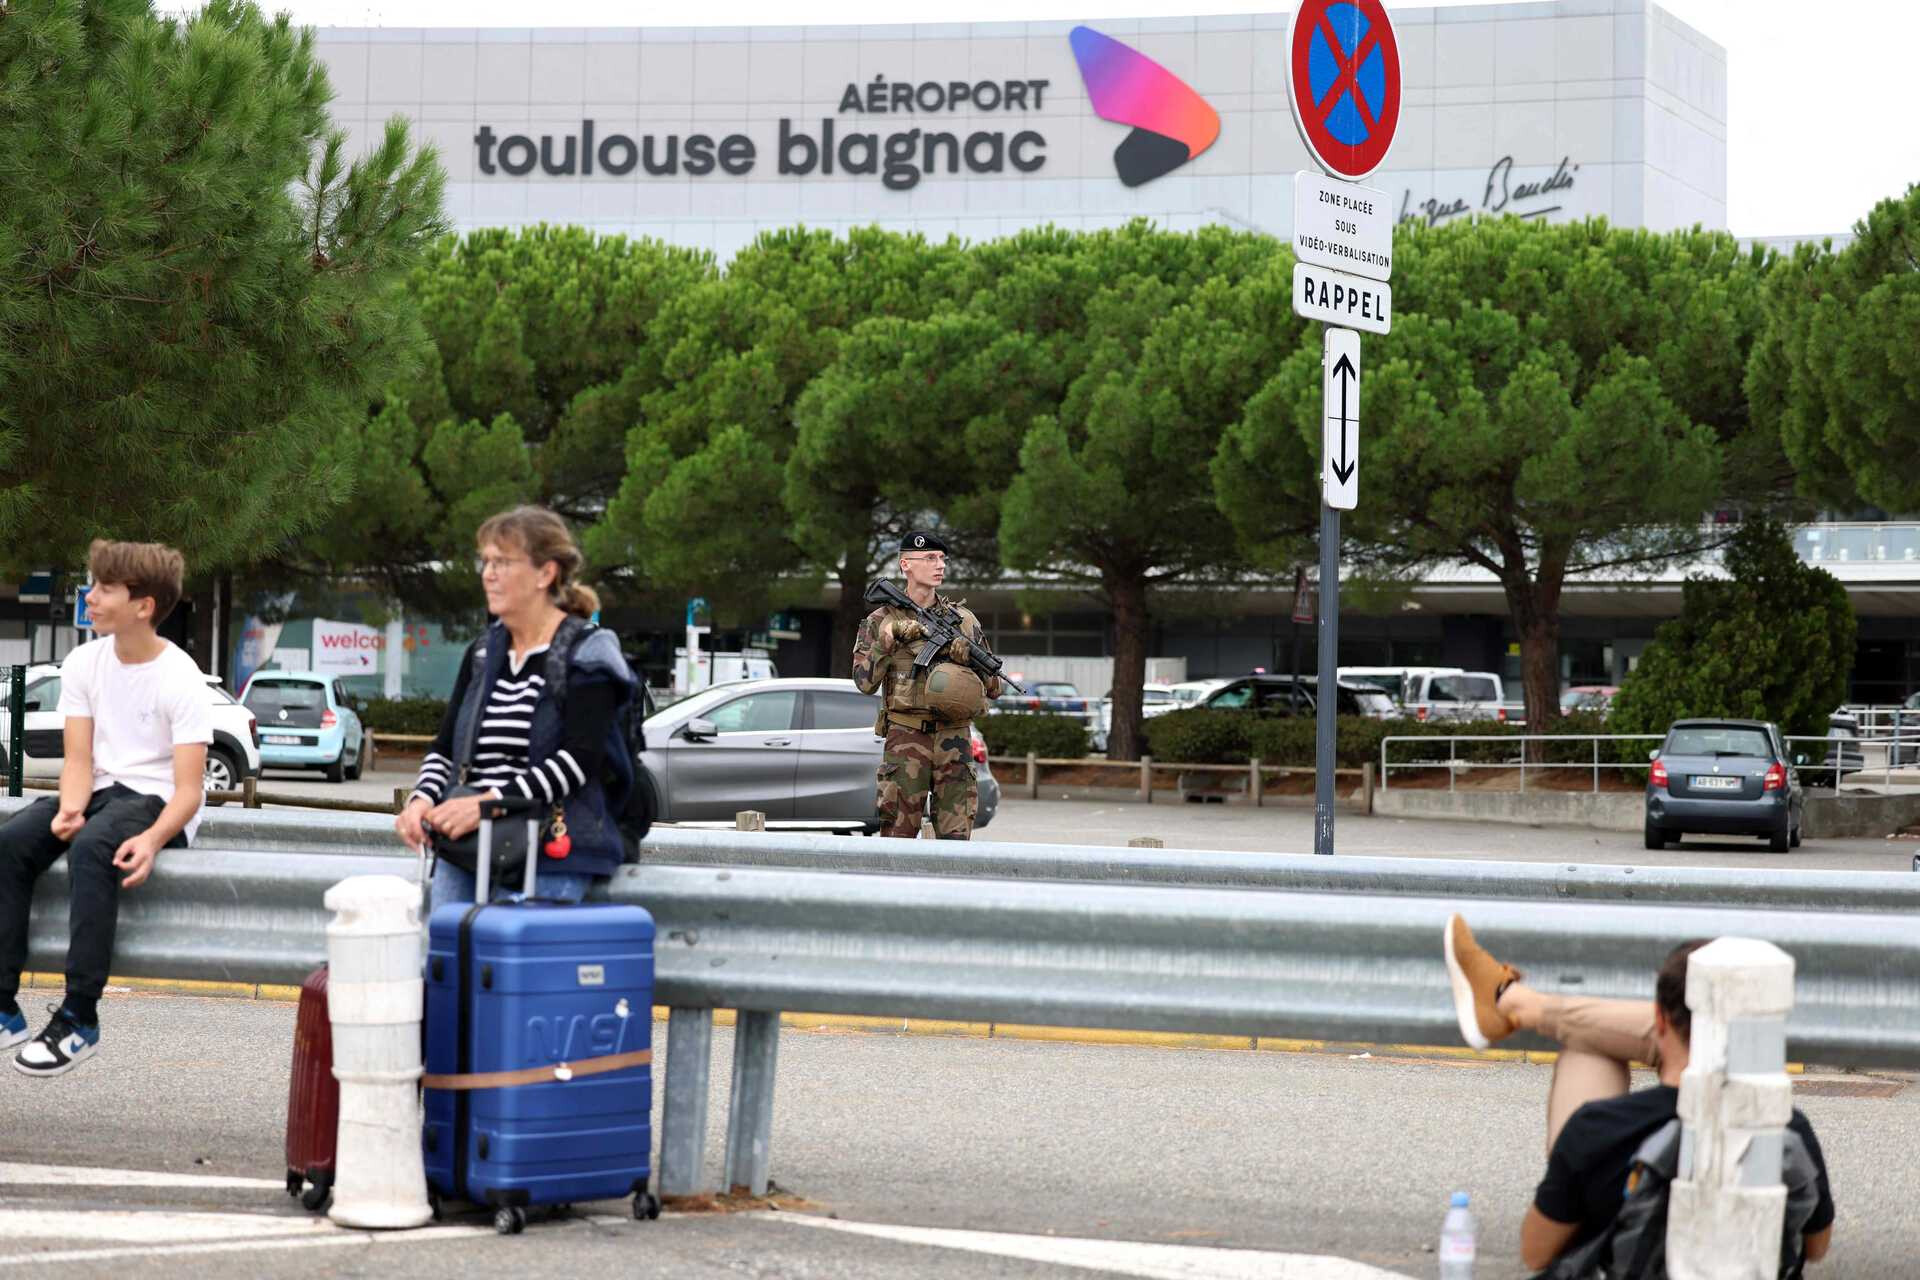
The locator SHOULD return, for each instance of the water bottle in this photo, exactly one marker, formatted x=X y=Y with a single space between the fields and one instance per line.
x=1456 y=1241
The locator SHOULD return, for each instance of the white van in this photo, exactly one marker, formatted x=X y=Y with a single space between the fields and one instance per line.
x=1438 y=693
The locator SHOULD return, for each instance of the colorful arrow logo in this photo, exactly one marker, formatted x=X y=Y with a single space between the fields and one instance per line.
x=1171 y=123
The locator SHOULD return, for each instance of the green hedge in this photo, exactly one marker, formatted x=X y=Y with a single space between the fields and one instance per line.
x=1049 y=737
x=403 y=715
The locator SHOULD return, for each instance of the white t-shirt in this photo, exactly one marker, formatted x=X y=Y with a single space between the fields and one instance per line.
x=140 y=713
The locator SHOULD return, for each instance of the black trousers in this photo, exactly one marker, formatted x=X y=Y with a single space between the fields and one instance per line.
x=28 y=847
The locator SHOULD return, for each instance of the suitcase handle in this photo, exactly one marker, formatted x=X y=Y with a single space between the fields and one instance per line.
x=490 y=810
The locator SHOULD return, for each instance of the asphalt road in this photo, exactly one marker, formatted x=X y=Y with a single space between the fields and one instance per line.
x=1204 y=1154
x=1288 y=828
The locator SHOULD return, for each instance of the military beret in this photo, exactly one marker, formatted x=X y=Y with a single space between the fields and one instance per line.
x=920 y=540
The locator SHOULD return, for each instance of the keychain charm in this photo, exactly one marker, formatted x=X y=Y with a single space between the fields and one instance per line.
x=562 y=844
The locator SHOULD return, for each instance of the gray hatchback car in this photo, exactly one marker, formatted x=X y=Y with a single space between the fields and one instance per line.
x=1724 y=778
x=797 y=750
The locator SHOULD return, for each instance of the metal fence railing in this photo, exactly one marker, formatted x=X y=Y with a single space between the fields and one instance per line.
x=1823 y=761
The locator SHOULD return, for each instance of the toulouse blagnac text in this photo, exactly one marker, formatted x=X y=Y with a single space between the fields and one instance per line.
x=900 y=158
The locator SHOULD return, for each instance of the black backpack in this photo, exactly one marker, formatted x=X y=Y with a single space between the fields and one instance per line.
x=635 y=814
x=1634 y=1245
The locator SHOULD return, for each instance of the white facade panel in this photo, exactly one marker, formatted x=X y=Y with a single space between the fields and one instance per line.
x=707 y=136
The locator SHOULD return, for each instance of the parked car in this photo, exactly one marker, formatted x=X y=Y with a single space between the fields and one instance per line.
x=308 y=721
x=1724 y=778
x=1397 y=681
x=1155 y=700
x=1189 y=692
x=1455 y=695
x=1282 y=695
x=233 y=756
x=1588 y=697
x=797 y=749
x=1048 y=697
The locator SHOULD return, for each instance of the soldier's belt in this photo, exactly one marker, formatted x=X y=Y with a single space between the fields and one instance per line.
x=921 y=724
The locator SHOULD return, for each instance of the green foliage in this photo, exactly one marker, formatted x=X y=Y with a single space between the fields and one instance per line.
x=403 y=715
x=198 y=292
x=1201 y=736
x=708 y=502
x=1553 y=401
x=1197 y=736
x=536 y=363
x=1772 y=641
x=1835 y=371
x=1012 y=737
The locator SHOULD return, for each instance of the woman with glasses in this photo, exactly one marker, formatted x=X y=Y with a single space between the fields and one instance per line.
x=509 y=732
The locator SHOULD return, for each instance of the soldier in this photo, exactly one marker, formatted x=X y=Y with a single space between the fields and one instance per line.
x=926 y=717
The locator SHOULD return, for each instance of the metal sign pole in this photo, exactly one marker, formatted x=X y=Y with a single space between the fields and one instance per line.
x=1328 y=689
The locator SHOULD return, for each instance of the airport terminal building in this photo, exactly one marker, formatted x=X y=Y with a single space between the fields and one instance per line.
x=708 y=136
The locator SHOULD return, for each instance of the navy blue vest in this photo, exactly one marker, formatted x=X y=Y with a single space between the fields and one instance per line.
x=590 y=811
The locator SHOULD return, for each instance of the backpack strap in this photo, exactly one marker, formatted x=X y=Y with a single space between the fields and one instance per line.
x=571 y=632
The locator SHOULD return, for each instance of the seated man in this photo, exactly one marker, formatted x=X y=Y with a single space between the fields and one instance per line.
x=1594 y=1126
x=138 y=721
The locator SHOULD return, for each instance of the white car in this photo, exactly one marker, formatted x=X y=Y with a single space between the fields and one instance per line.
x=234 y=755
x=1155 y=700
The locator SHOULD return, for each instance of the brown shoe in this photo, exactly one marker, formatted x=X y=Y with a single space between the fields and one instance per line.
x=1477 y=980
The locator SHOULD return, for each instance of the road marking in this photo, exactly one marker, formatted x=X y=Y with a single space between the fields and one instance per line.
x=1118 y=1257
x=53 y=1175
x=189 y=1234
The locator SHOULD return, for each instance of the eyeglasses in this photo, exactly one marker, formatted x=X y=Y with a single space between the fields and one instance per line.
x=931 y=557
x=483 y=565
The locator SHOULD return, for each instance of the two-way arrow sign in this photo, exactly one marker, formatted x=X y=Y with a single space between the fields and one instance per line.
x=1340 y=420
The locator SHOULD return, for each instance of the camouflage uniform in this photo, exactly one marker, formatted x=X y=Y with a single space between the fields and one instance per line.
x=922 y=754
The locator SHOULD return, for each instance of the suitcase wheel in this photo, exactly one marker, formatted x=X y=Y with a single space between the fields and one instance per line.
x=433 y=1204
x=509 y=1220
x=319 y=1191
x=646 y=1206
x=295 y=1180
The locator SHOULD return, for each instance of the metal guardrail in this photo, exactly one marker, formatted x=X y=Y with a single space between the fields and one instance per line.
x=1328 y=966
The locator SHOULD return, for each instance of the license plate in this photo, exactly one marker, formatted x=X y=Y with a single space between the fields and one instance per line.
x=280 y=739
x=1715 y=782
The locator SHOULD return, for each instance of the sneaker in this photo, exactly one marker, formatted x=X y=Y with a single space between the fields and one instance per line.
x=1477 y=981
x=64 y=1045
x=13 y=1029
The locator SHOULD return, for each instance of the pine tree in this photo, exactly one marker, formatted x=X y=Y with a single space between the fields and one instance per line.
x=197 y=289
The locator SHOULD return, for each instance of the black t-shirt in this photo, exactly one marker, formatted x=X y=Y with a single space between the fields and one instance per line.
x=1587 y=1172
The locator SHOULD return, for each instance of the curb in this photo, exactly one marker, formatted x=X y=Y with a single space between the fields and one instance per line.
x=933 y=1027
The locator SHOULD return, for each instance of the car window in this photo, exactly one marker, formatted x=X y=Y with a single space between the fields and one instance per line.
x=1392 y=686
x=1284 y=698
x=1462 y=689
x=835 y=709
x=767 y=712
x=1155 y=695
x=1053 y=689
x=1713 y=740
x=1234 y=695
x=45 y=692
x=272 y=695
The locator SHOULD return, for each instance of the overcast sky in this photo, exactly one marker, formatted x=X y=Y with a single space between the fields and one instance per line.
x=1822 y=116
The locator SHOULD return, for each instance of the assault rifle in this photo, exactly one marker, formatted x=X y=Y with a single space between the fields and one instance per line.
x=942 y=629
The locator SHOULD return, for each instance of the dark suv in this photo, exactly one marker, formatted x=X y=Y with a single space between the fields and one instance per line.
x=1724 y=778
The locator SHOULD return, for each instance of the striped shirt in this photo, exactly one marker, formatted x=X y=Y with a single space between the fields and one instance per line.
x=500 y=747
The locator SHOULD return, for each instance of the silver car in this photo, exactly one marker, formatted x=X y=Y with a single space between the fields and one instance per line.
x=797 y=750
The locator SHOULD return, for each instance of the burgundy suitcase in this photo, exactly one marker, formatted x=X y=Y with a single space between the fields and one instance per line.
x=313 y=1098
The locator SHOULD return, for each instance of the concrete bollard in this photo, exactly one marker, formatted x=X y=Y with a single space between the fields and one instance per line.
x=1255 y=789
x=1033 y=775
x=374 y=997
x=1146 y=779
x=749 y=820
x=1728 y=1205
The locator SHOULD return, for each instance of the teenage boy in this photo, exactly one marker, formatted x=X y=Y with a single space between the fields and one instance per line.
x=138 y=721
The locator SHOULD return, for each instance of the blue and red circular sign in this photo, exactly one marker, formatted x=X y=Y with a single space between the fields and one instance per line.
x=1343 y=74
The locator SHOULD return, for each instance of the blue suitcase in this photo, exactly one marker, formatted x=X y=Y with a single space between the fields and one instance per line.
x=539 y=1029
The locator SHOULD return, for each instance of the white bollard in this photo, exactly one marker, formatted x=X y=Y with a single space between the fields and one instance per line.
x=374 y=998
x=1728 y=1205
